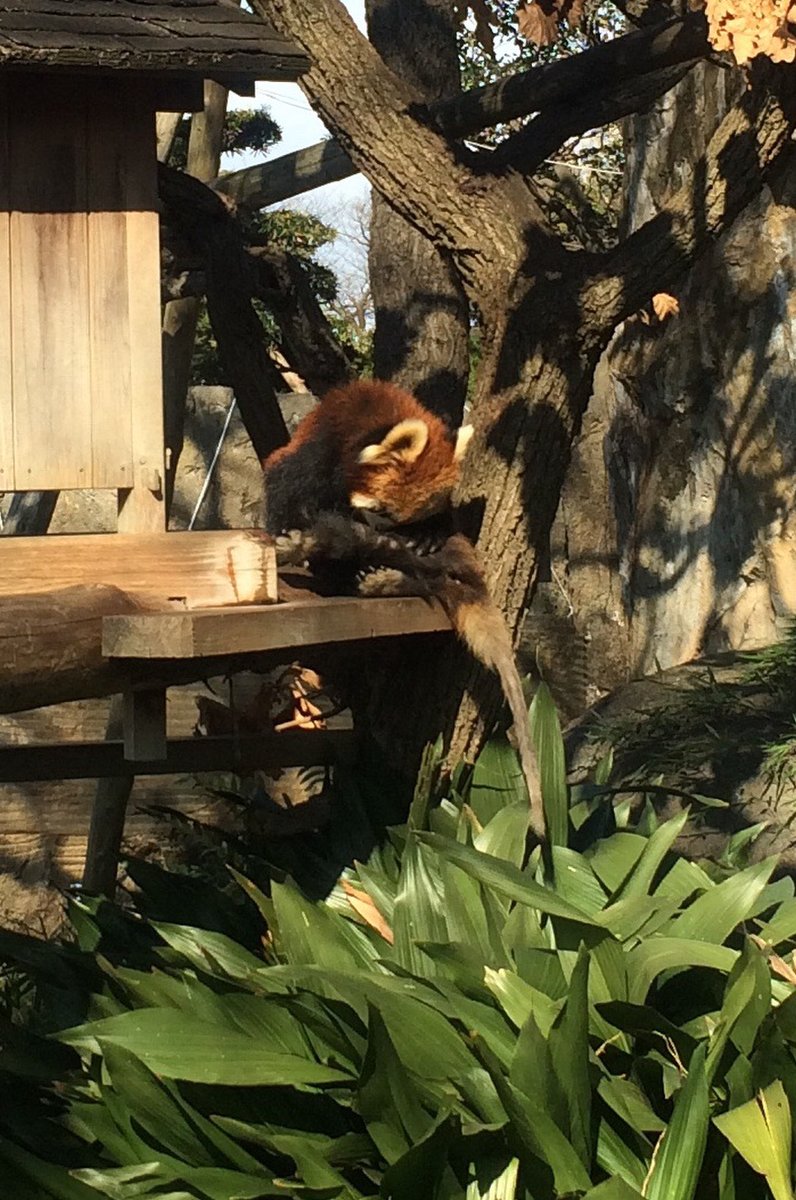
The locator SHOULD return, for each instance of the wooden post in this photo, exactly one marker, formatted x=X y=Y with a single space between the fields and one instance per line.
x=144 y=724
x=108 y=815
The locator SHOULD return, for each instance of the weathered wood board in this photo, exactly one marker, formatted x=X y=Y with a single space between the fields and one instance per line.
x=80 y=394
x=315 y=622
x=170 y=570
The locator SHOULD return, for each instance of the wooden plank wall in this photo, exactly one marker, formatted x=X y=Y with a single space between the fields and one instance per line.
x=80 y=389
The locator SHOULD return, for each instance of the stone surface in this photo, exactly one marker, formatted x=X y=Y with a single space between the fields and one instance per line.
x=676 y=534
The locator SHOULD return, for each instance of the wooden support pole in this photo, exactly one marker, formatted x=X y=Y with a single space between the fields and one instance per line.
x=108 y=814
x=144 y=724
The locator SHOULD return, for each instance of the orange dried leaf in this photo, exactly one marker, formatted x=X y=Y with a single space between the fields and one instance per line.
x=365 y=908
x=574 y=12
x=538 y=24
x=664 y=305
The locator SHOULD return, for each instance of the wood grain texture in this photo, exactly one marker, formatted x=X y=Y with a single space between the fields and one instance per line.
x=208 y=37
x=320 y=621
x=49 y=291
x=143 y=509
x=166 y=569
x=6 y=375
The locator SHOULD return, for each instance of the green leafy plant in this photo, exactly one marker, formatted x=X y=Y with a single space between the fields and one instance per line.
x=455 y=1019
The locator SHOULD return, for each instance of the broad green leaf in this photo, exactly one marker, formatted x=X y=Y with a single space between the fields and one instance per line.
x=761 y=1133
x=53 y=1181
x=746 y=1003
x=618 y=1157
x=466 y=916
x=387 y=1100
x=419 y=911
x=546 y=734
x=613 y=858
x=419 y=1170
x=576 y=882
x=649 y=959
x=535 y=1132
x=531 y=1062
x=214 y=953
x=493 y=1186
x=149 y=1179
x=717 y=912
x=683 y=880
x=639 y=881
x=504 y=878
x=313 y=933
x=629 y=1102
x=678 y=1162
x=178 y=1048
x=569 y=1052
x=613 y=1189
x=520 y=1000
x=781 y=925
x=154 y=1107
x=497 y=781
x=505 y=835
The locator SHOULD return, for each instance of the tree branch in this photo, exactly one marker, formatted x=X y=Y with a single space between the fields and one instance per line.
x=738 y=159
x=548 y=87
x=528 y=148
x=308 y=340
x=474 y=217
x=579 y=81
x=204 y=219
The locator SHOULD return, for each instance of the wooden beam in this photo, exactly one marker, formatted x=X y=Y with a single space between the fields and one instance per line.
x=288 y=175
x=206 y=569
x=247 y=630
x=99 y=760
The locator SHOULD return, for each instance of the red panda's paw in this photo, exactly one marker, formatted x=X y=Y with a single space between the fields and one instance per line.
x=387 y=581
x=292 y=549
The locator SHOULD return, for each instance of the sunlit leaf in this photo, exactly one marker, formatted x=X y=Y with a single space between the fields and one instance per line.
x=761 y=1133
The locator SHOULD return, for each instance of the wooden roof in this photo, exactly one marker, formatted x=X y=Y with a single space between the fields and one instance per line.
x=197 y=37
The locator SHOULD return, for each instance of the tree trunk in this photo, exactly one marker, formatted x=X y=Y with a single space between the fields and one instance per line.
x=421 y=339
x=546 y=313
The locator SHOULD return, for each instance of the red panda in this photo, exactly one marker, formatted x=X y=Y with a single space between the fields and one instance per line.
x=370 y=452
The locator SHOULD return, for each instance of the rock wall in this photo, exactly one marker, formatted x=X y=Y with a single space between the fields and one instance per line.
x=676 y=533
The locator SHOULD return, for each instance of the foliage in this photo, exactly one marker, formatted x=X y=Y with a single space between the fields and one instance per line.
x=750 y=712
x=244 y=130
x=452 y=1020
x=298 y=233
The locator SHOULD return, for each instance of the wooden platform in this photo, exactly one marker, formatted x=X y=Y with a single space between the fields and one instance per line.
x=314 y=621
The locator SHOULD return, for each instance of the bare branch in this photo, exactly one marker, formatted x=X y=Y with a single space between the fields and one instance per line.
x=527 y=149
x=582 y=82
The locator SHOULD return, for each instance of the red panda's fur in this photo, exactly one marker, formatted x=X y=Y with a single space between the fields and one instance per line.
x=313 y=486
x=324 y=452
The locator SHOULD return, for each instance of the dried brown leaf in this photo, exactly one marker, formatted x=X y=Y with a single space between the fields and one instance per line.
x=365 y=908
x=664 y=305
x=537 y=23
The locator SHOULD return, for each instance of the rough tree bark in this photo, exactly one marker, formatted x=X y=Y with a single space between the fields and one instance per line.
x=547 y=313
x=422 y=312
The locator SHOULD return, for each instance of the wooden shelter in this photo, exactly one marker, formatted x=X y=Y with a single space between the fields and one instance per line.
x=81 y=404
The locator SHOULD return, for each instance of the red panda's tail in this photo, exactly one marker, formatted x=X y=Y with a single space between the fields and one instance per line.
x=481 y=626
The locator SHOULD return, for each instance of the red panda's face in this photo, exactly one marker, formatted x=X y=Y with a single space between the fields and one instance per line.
x=410 y=473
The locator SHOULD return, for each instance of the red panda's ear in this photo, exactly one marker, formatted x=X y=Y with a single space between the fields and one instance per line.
x=407 y=440
x=463 y=436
